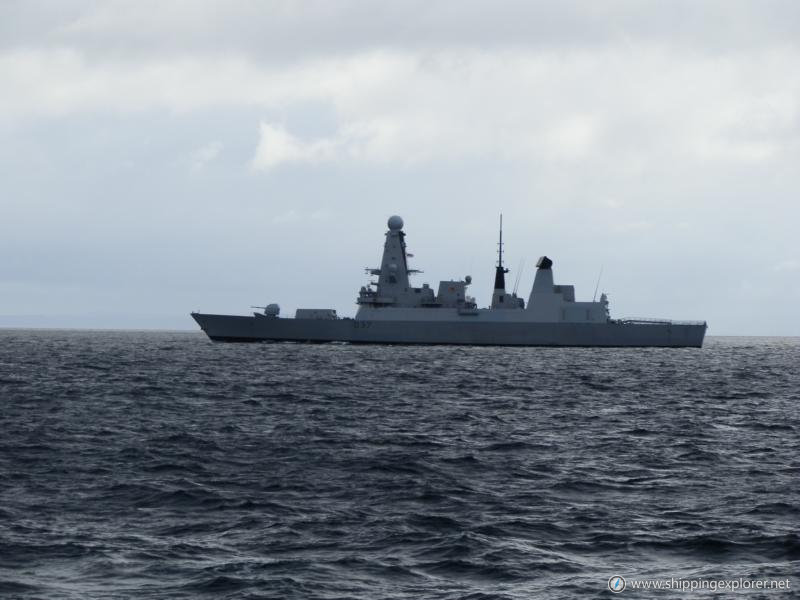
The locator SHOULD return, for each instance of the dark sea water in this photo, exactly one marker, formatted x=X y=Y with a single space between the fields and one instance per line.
x=155 y=465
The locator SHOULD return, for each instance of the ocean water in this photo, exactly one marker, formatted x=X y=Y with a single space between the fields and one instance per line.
x=155 y=465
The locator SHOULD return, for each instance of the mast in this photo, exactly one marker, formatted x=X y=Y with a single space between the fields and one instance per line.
x=500 y=271
x=500 y=244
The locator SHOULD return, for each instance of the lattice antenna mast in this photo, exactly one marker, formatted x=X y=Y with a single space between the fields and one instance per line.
x=500 y=244
x=500 y=271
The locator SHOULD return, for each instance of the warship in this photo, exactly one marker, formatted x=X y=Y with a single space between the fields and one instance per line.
x=392 y=311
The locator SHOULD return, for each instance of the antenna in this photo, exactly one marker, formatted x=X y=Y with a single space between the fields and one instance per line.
x=500 y=244
x=519 y=275
x=598 y=284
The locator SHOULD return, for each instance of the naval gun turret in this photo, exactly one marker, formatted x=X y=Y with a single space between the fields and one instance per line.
x=270 y=310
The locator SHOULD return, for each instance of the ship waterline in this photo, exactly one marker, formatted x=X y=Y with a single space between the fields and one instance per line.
x=392 y=311
x=227 y=328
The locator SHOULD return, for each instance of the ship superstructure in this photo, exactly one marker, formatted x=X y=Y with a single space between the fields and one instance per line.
x=392 y=310
x=547 y=302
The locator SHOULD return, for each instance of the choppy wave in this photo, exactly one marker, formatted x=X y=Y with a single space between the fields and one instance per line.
x=158 y=465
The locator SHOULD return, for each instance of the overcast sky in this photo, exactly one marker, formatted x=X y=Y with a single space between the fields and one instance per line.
x=161 y=157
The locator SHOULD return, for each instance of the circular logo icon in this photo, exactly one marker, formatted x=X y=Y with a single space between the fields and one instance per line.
x=616 y=584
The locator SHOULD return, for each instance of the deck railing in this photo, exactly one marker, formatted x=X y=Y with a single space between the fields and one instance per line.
x=647 y=321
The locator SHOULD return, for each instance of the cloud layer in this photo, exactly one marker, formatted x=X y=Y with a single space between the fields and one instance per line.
x=520 y=104
x=616 y=126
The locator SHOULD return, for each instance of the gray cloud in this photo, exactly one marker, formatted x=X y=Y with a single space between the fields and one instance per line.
x=290 y=29
x=162 y=157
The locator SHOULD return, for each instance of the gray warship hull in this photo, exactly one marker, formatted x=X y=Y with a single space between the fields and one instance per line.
x=621 y=333
x=392 y=310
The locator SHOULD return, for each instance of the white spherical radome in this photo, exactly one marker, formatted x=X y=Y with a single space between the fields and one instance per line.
x=395 y=223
